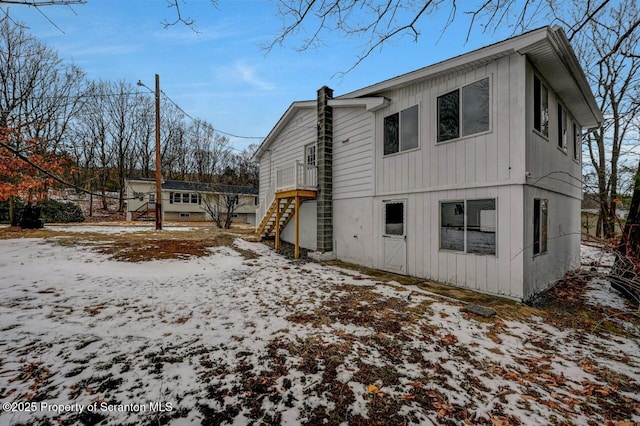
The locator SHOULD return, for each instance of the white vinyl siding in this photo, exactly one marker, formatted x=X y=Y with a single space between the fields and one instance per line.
x=486 y=158
x=353 y=161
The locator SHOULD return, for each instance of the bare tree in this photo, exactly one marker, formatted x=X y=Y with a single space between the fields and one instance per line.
x=39 y=93
x=615 y=78
x=307 y=24
x=221 y=203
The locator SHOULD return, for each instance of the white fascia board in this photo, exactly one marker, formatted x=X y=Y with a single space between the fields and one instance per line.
x=481 y=55
x=281 y=124
x=372 y=104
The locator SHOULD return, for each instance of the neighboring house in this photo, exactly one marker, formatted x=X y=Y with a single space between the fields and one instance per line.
x=466 y=172
x=186 y=201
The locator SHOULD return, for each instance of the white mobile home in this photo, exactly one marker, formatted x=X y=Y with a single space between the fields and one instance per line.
x=466 y=172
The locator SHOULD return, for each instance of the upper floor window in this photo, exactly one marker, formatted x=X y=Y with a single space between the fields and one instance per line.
x=577 y=142
x=540 y=107
x=401 y=131
x=464 y=114
x=562 y=128
x=310 y=154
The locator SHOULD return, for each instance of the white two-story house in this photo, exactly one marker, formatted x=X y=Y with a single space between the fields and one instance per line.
x=465 y=172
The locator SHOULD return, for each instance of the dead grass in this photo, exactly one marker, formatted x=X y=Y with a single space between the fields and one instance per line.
x=505 y=308
x=144 y=245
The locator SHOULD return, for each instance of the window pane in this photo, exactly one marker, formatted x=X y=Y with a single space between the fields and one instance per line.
x=536 y=226
x=311 y=155
x=537 y=105
x=448 y=116
x=394 y=219
x=540 y=226
x=544 y=110
x=562 y=127
x=577 y=142
x=452 y=226
x=481 y=226
x=543 y=226
x=391 y=134
x=185 y=198
x=409 y=126
x=475 y=107
x=176 y=197
x=194 y=198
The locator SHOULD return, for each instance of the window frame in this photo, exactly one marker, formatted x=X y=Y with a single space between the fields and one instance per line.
x=460 y=90
x=577 y=142
x=399 y=114
x=539 y=114
x=465 y=226
x=563 y=128
x=386 y=203
x=315 y=154
x=177 y=198
x=540 y=244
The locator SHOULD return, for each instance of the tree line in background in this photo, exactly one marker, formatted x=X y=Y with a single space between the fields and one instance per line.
x=61 y=127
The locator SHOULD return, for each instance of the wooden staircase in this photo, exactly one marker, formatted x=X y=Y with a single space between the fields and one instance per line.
x=267 y=226
x=293 y=184
x=144 y=212
x=285 y=206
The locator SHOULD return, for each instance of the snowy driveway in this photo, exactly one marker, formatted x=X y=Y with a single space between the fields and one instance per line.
x=244 y=336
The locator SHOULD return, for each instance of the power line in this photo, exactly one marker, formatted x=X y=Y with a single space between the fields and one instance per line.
x=217 y=130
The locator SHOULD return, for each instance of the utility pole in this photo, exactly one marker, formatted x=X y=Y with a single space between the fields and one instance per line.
x=158 y=160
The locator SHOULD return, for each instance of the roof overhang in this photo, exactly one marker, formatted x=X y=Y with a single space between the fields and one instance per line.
x=555 y=60
x=280 y=125
x=547 y=48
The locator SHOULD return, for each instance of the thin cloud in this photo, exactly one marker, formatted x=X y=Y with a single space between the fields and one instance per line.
x=249 y=75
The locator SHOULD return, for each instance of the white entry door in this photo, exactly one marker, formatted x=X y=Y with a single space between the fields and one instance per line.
x=394 y=237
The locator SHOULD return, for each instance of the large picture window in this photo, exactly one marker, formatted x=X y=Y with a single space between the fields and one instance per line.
x=468 y=226
x=540 y=225
x=466 y=114
x=401 y=131
x=540 y=107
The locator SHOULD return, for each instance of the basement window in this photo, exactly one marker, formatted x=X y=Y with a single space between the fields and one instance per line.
x=540 y=225
x=468 y=226
x=401 y=131
x=185 y=215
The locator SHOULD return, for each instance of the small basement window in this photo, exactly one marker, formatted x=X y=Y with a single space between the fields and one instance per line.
x=540 y=225
x=185 y=215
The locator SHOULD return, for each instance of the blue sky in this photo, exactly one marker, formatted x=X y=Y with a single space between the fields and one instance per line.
x=222 y=74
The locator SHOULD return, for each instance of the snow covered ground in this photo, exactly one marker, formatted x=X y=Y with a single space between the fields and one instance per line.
x=244 y=336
